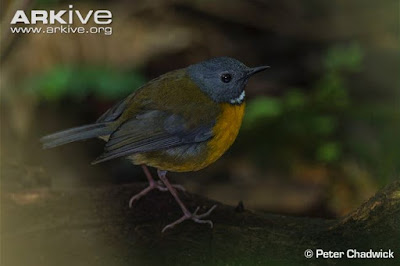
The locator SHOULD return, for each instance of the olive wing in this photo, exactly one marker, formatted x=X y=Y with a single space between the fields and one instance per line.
x=150 y=131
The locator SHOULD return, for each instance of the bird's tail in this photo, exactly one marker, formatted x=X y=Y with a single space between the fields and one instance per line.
x=76 y=134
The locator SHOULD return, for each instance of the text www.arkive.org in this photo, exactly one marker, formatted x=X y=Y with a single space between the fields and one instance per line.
x=68 y=29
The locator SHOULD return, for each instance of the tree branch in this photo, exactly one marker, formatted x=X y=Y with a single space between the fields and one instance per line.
x=96 y=227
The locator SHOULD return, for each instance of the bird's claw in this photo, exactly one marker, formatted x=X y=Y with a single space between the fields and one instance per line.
x=197 y=218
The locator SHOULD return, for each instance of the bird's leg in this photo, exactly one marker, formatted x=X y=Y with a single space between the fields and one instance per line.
x=186 y=213
x=152 y=185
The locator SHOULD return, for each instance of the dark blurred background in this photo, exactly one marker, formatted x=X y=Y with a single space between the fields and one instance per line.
x=322 y=126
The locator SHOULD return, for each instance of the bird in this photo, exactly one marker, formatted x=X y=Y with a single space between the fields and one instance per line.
x=181 y=121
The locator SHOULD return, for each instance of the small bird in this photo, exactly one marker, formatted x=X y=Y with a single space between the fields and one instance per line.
x=181 y=121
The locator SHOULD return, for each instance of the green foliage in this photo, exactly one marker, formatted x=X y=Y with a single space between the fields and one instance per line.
x=79 y=82
x=328 y=152
x=331 y=92
x=306 y=123
x=262 y=108
x=324 y=125
x=344 y=58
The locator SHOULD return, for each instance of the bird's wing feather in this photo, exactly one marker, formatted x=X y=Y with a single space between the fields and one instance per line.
x=116 y=111
x=150 y=131
x=167 y=112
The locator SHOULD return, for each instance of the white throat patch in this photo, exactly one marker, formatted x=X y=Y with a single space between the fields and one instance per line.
x=239 y=99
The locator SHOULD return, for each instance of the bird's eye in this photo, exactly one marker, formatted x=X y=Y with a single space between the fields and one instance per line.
x=226 y=78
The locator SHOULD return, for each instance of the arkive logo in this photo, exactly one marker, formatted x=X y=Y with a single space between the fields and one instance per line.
x=100 y=17
x=62 y=21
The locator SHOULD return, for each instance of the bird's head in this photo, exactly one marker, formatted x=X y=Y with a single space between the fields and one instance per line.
x=223 y=78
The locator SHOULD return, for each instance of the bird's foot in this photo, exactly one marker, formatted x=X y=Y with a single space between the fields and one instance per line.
x=161 y=187
x=152 y=185
x=197 y=218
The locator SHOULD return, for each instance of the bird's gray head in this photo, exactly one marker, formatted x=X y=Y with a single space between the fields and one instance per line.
x=223 y=78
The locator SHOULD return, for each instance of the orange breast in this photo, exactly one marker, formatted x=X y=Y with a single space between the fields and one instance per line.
x=225 y=131
x=224 y=134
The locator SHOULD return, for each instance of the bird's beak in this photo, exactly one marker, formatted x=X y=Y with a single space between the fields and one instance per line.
x=255 y=70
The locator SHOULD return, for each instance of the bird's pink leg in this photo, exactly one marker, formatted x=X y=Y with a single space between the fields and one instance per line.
x=152 y=185
x=186 y=213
